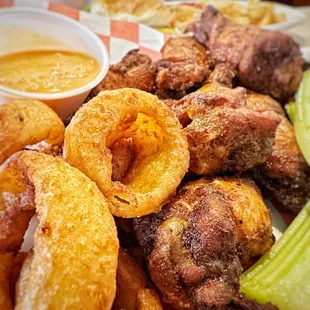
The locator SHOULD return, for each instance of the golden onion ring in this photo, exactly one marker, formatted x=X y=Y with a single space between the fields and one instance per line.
x=74 y=259
x=25 y=122
x=160 y=147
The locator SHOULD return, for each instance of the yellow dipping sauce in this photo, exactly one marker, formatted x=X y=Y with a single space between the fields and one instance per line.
x=47 y=71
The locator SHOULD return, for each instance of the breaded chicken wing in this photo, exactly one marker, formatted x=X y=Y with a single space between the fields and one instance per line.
x=197 y=244
x=237 y=130
x=223 y=134
x=184 y=65
x=285 y=174
x=267 y=62
x=135 y=70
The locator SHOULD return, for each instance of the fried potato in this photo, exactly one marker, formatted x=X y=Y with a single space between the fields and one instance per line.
x=26 y=122
x=74 y=259
x=184 y=15
x=253 y=12
x=134 y=292
x=160 y=148
x=149 y=12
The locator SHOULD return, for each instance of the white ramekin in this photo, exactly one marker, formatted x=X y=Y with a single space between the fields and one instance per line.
x=74 y=35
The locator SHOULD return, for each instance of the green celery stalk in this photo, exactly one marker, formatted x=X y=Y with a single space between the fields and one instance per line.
x=282 y=275
x=299 y=113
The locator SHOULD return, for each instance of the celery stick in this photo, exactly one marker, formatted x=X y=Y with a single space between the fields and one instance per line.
x=282 y=275
x=299 y=113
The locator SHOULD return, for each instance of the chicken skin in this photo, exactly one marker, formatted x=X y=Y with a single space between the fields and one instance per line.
x=184 y=65
x=198 y=244
x=235 y=130
x=285 y=174
x=265 y=61
x=135 y=70
x=223 y=134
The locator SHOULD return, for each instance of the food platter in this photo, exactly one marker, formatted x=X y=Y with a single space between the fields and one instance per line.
x=150 y=41
x=153 y=156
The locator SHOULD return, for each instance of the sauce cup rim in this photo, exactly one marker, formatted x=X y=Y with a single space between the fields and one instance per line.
x=77 y=91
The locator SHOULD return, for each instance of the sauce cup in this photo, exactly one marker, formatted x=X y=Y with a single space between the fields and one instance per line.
x=60 y=33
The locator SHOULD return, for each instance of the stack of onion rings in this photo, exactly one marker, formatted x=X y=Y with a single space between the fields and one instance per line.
x=74 y=259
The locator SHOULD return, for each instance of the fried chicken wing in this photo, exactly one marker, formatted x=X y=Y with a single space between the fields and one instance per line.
x=135 y=70
x=223 y=74
x=237 y=130
x=285 y=173
x=265 y=61
x=223 y=134
x=229 y=140
x=184 y=65
x=197 y=244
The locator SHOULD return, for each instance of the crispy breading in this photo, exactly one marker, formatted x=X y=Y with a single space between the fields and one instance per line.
x=198 y=243
x=161 y=148
x=267 y=62
x=135 y=70
x=184 y=65
x=285 y=173
x=74 y=258
x=25 y=122
x=224 y=135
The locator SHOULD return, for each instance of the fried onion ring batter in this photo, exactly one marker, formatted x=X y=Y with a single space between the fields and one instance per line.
x=26 y=122
x=160 y=148
x=74 y=259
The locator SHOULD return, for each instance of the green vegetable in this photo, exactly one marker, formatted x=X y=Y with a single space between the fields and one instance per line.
x=299 y=113
x=282 y=275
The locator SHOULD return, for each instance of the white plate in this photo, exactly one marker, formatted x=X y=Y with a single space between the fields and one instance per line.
x=293 y=15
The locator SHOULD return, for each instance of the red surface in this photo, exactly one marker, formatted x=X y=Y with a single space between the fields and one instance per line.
x=65 y=10
x=105 y=40
x=6 y=3
x=125 y=30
